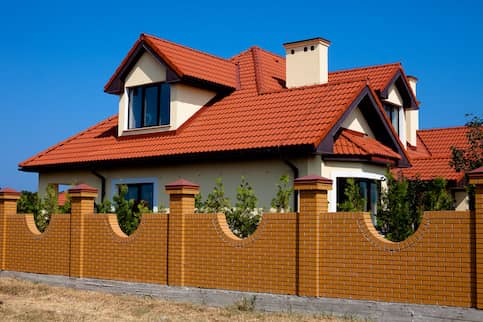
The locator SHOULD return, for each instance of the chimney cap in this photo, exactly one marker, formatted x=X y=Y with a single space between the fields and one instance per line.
x=309 y=41
x=412 y=77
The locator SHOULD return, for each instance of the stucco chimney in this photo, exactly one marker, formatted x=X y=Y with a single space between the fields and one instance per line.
x=413 y=82
x=412 y=116
x=306 y=62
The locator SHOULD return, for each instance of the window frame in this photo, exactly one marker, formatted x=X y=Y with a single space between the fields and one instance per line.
x=161 y=87
x=154 y=181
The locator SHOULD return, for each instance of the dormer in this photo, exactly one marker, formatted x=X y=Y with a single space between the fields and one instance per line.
x=399 y=102
x=161 y=85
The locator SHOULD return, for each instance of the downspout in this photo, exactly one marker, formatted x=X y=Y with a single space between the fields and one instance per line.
x=295 y=172
x=103 y=184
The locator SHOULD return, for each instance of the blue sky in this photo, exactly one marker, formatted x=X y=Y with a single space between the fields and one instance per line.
x=55 y=56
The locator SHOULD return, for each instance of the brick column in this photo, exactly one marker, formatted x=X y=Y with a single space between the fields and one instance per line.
x=313 y=201
x=82 y=200
x=181 y=202
x=8 y=206
x=476 y=178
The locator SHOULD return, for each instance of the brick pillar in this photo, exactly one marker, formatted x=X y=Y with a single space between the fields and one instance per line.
x=181 y=202
x=82 y=200
x=476 y=178
x=313 y=201
x=8 y=206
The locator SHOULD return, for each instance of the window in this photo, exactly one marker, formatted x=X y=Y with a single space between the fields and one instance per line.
x=393 y=114
x=369 y=189
x=141 y=192
x=149 y=105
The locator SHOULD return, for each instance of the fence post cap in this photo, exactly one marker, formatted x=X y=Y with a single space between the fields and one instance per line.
x=84 y=190
x=476 y=176
x=182 y=186
x=312 y=182
x=9 y=193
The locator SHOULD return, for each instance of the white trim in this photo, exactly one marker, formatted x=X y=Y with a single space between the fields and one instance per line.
x=332 y=194
x=154 y=181
x=125 y=126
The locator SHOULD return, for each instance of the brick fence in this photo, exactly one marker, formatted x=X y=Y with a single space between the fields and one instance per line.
x=310 y=253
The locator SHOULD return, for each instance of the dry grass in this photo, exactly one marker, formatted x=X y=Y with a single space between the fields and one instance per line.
x=27 y=301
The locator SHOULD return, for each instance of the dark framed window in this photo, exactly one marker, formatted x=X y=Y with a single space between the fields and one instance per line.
x=149 y=105
x=369 y=188
x=393 y=114
x=141 y=192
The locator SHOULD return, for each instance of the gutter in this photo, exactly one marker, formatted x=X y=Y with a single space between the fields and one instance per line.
x=103 y=183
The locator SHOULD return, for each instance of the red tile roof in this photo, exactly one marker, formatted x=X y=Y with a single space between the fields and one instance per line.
x=433 y=153
x=352 y=143
x=260 y=113
x=379 y=75
x=186 y=62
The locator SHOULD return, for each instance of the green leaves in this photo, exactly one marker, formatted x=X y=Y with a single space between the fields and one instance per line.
x=281 y=201
x=354 y=200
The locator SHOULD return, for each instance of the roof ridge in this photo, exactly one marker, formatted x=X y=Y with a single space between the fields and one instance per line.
x=306 y=87
x=186 y=47
x=442 y=128
x=366 y=67
x=70 y=138
x=257 y=69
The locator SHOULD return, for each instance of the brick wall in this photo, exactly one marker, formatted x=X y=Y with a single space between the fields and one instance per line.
x=310 y=253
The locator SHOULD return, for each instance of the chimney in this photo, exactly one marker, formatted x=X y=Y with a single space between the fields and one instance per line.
x=412 y=82
x=306 y=62
x=412 y=116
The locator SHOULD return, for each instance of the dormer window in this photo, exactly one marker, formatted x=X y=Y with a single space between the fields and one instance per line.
x=393 y=112
x=149 y=105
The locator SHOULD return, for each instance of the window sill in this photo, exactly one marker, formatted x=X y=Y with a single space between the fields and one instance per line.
x=146 y=130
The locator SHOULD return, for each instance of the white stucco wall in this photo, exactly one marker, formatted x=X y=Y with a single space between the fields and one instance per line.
x=335 y=169
x=356 y=122
x=412 y=125
x=461 y=200
x=186 y=101
x=263 y=175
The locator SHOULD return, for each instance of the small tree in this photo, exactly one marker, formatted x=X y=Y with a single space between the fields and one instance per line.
x=437 y=196
x=216 y=200
x=393 y=216
x=31 y=203
x=244 y=218
x=354 y=200
x=128 y=212
x=282 y=199
x=471 y=157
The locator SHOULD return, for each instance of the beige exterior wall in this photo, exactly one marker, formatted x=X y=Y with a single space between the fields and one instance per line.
x=412 y=125
x=394 y=96
x=461 y=200
x=146 y=70
x=186 y=101
x=335 y=169
x=263 y=175
x=306 y=67
x=356 y=122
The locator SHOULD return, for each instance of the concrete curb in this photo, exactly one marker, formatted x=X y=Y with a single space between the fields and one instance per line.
x=372 y=310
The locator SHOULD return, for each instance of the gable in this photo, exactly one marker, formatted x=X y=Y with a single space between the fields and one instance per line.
x=394 y=96
x=146 y=70
x=357 y=122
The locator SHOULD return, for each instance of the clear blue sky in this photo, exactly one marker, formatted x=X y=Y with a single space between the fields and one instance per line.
x=55 y=56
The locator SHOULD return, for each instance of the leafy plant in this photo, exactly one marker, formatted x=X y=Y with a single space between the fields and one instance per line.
x=216 y=200
x=354 y=200
x=282 y=198
x=393 y=216
x=471 y=157
x=128 y=212
x=244 y=218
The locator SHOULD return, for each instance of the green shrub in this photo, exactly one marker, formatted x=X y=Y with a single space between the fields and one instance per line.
x=281 y=201
x=128 y=212
x=354 y=200
x=244 y=218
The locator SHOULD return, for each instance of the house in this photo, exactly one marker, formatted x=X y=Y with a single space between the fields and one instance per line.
x=185 y=113
x=431 y=156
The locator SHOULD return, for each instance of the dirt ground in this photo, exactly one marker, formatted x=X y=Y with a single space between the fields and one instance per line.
x=27 y=301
